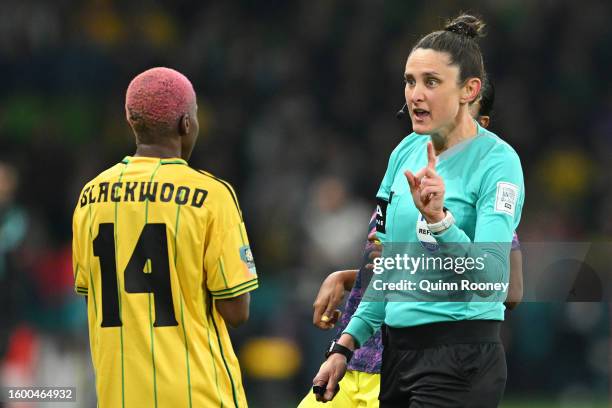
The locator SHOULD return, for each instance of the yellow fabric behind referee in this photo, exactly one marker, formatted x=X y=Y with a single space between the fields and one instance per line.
x=154 y=243
x=357 y=390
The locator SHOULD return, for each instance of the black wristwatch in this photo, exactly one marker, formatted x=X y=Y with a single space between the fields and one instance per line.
x=340 y=349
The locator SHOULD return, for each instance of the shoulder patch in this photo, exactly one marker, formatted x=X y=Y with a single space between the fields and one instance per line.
x=506 y=197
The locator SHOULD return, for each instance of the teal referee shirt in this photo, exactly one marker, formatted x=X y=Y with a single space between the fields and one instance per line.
x=484 y=192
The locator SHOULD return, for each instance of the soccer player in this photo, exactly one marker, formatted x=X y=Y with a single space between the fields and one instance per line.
x=161 y=253
x=361 y=383
x=441 y=353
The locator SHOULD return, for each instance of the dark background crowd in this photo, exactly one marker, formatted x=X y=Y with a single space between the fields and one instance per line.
x=296 y=106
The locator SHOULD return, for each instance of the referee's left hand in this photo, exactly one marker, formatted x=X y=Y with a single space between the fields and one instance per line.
x=329 y=375
x=427 y=189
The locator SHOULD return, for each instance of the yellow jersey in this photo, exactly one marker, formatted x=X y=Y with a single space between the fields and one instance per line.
x=155 y=242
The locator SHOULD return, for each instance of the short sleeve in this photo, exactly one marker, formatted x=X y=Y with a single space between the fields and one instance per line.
x=228 y=260
x=501 y=200
x=81 y=284
x=498 y=208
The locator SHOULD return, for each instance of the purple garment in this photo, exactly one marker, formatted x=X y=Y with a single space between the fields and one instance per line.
x=516 y=245
x=368 y=357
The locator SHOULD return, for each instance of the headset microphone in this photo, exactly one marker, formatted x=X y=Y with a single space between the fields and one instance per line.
x=402 y=112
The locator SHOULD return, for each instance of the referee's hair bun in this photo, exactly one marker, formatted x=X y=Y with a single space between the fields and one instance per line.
x=467 y=26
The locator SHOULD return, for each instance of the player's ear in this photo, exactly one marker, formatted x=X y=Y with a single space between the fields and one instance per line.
x=484 y=121
x=470 y=90
x=184 y=125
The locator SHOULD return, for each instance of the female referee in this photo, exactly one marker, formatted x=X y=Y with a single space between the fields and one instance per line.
x=361 y=384
x=466 y=186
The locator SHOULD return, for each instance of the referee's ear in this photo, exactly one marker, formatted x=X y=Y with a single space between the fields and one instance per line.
x=470 y=90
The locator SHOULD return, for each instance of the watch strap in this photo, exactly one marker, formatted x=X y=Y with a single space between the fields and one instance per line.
x=334 y=347
x=442 y=225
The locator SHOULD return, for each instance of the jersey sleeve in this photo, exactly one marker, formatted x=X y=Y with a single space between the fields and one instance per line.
x=369 y=315
x=498 y=209
x=228 y=261
x=356 y=294
x=501 y=200
x=81 y=284
x=384 y=197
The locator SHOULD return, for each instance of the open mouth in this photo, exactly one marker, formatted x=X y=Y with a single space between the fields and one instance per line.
x=420 y=114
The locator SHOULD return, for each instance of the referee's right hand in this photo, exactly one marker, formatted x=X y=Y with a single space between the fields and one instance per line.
x=329 y=375
x=427 y=189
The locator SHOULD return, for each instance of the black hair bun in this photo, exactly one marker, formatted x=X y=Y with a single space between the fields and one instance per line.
x=466 y=25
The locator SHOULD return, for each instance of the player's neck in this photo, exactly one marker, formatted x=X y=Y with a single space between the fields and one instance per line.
x=156 y=150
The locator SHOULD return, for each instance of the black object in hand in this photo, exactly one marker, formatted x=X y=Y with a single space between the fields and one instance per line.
x=320 y=389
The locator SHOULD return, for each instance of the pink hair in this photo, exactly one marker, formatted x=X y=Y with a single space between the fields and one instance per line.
x=157 y=98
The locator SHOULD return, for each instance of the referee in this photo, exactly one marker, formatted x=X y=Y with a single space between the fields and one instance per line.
x=455 y=183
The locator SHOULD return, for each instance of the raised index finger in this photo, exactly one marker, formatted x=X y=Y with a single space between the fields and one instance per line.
x=431 y=156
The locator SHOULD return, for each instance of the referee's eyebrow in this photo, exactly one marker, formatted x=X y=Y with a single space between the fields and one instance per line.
x=430 y=73
x=423 y=74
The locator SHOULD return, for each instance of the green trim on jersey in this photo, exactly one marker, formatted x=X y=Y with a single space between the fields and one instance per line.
x=91 y=281
x=176 y=228
x=229 y=373
x=238 y=289
x=212 y=356
x=226 y=185
x=127 y=159
x=152 y=333
x=222 y=268
x=116 y=236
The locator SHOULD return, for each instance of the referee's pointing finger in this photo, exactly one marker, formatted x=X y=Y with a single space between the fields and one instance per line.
x=431 y=156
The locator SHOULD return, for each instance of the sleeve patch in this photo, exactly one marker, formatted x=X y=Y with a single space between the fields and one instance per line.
x=247 y=257
x=506 y=197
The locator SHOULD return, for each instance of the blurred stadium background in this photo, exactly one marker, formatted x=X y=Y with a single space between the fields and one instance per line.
x=296 y=103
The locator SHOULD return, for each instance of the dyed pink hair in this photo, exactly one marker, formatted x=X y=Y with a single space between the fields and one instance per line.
x=157 y=98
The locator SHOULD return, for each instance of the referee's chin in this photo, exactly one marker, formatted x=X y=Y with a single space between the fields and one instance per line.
x=421 y=128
